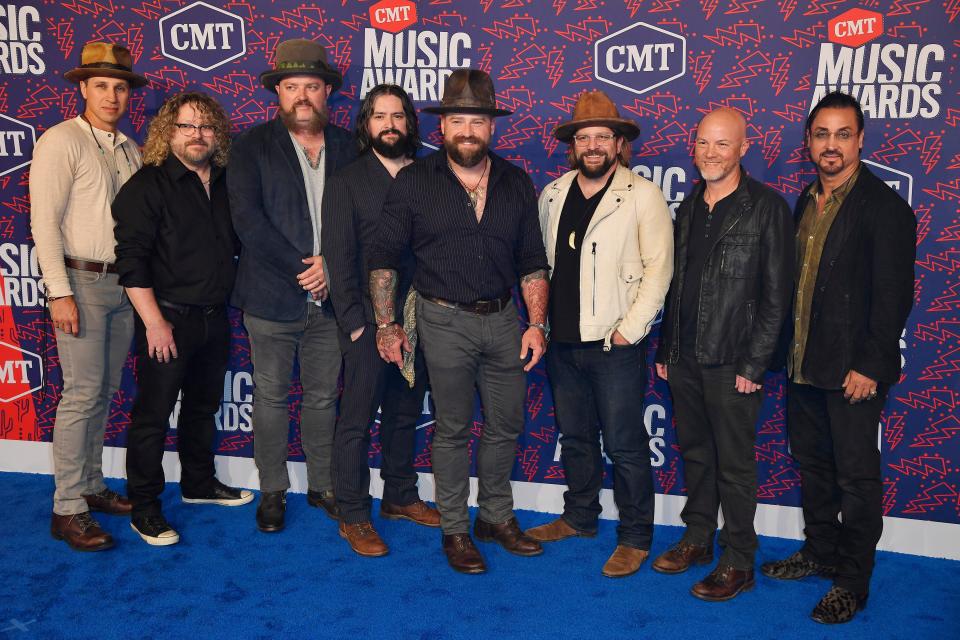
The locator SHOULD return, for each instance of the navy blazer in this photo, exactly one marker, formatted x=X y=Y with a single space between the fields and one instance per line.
x=268 y=203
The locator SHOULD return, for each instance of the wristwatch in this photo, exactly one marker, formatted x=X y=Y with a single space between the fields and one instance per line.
x=541 y=326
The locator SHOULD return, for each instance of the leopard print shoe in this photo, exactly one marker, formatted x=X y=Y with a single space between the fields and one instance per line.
x=838 y=606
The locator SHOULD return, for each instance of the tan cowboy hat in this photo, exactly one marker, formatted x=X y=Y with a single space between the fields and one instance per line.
x=596 y=109
x=301 y=58
x=105 y=59
x=469 y=91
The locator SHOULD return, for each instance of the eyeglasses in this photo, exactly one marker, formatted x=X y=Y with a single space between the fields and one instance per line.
x=190 y=129
x=842 y=136
x=601 y=138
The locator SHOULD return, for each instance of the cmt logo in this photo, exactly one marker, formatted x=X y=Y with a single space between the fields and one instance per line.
x=16 y=144
x=393 y=15
x=202 y=36
x=855 y=28
x=640 y=57
x=899 y=181
x=21 y=372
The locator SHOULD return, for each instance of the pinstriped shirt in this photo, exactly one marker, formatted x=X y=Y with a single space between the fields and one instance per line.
x=458 y=258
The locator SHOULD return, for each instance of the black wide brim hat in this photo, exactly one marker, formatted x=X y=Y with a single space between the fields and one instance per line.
x=301 y=58
x=469 y=91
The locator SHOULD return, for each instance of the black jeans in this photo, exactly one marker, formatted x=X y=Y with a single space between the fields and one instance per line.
x=835 y=446
x=593 y=391
x=716 y=430
x=368 y=383
x=202 y=336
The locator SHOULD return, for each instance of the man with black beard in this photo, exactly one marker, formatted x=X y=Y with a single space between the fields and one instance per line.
x=276 y=184
x=388 y=138
x=609 y=240
x=470 y=218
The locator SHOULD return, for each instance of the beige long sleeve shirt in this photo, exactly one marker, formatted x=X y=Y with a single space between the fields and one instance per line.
x=73 y=181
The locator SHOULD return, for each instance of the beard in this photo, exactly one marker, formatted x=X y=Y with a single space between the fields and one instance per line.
x=196 y=153
x=831 y=168
x=318 y=120
x=466 y=159
x=597 y=171
x=391 y=150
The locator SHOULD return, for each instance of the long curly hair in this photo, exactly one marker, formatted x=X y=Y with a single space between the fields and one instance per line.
x=364 y=142
x=157 y=147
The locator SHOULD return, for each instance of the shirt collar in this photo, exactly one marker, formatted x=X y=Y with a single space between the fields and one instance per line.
x=104 y=138
x=841 y=191
x=177 y=170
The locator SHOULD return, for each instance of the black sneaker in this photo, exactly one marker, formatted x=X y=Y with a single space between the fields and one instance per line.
x=220 y=494
x=838 y=606
x=155 y=530
x=270 y=511
x=796 y=567
x=324 y=500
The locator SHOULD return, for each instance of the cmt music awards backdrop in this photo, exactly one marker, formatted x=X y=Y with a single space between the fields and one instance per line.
x=665 y=63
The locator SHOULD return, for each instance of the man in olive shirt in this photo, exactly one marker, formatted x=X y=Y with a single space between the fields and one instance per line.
x=856 y=246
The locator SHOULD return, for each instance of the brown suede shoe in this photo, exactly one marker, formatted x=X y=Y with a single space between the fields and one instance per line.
x=556 y=530
x=625 y=561
x=462 y=555
x=419 y=512
x=723 y=583
x=81 y=532
x=364 y=539
x=681 y=556
x=509 y=535
x=110 y=502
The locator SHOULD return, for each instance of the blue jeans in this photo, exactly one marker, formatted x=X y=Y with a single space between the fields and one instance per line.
x=598 y=391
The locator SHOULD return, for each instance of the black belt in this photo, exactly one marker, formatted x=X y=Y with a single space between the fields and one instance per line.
x=481 y=307
x=90 y=265
x=206 y=309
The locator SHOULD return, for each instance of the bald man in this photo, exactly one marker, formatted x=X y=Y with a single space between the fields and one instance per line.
x=730 y=293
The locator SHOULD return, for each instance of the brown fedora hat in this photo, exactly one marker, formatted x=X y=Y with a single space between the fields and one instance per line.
x=469 y=91
x=105 y=59
x=301 y=57
x=596 y=109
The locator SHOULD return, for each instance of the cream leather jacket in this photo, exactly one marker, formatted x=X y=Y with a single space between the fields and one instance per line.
x=627 y=257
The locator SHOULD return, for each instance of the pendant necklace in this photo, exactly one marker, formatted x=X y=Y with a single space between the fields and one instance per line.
x=103 y=154
x=477 y=192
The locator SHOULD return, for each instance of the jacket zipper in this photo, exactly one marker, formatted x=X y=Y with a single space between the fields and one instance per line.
x=594 y=252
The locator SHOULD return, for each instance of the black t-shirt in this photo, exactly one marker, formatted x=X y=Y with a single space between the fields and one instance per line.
x=705 y=226
x=565 y=280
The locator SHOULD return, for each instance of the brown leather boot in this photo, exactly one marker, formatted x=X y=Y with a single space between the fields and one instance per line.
x=625 y=561
x=80 y=531
x=509 y=535
x=108 y=501
x=419 y=512
x=681 y=557
x=557 y=530
x=462 y=554
x=723 y=583
x=364 y=539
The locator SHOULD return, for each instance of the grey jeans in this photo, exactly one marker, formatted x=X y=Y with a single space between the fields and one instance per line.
x=273 y=348
x=465 y=351
x=92 y=364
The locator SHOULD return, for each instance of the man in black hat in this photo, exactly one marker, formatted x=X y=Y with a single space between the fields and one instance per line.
x=608 y=235
x=78 y=167
x=388 y=135
x=276 y=181
x=471 y=220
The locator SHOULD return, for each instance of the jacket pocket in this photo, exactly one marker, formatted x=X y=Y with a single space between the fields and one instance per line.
x=739 y=256
x=631 y=272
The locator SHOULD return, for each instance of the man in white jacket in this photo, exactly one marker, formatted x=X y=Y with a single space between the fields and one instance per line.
x=609 y=241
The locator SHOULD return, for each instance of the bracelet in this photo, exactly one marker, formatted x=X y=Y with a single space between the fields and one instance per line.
x=539 y=325
x=384 y=325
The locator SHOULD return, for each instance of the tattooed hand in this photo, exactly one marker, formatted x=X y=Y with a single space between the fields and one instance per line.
x=392 y=343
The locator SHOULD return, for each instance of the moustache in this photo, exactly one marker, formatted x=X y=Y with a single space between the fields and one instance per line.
x=465 y=139
x=387 y=132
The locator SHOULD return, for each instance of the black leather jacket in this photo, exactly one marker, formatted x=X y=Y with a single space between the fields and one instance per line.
x=747 y=283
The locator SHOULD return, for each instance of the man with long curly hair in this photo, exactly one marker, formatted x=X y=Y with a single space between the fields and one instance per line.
x=175 y=258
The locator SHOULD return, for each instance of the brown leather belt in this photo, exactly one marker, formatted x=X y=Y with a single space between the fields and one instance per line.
x=480 y=307
x=88 y=265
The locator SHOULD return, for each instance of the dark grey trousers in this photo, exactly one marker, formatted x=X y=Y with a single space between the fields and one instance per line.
x=466 y=351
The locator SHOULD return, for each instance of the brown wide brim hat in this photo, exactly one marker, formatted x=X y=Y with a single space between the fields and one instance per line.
x=596 y=109
x=469 y=91
x=105 y=59
x=301 y=58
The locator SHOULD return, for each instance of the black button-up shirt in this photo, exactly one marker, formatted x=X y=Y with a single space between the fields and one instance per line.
x=458 y=258
x=171 y=237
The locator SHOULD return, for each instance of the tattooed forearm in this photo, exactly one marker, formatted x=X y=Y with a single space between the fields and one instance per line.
x=383 y=293
x=536 y=291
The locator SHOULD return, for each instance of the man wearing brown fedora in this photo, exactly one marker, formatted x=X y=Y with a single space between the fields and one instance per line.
x=276 y=182
x=78 y=167
x=608 y=238
x=729 y=297
x=471 y=220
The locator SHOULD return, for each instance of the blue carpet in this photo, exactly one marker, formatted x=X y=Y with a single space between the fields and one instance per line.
x=226 y=580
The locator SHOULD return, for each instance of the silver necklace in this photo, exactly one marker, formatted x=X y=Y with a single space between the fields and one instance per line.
x=477 y=192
